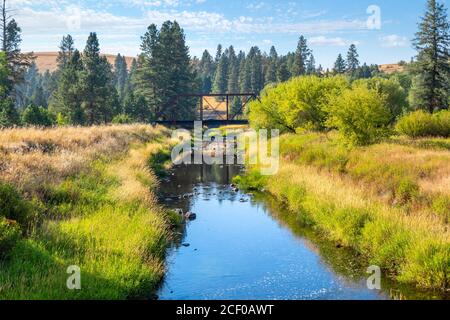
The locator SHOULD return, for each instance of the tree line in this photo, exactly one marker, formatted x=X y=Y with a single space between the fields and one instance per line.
x=86 y=89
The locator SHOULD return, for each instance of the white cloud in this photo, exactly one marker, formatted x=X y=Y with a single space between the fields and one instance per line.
x=394 y=41
x=335 y=42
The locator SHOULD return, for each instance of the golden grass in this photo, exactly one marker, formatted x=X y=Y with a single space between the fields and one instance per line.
x=31 y=158
x=107 y=220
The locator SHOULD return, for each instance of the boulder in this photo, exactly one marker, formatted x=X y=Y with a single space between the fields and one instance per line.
x=190 y=216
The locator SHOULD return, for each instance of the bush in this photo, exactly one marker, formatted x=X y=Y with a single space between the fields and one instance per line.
x=122 y=119
x=12 y=206
x=394 y=96
x=37 y=116
x=9 y=236
x=360 y=115
x=423 y=124
x=296 y=104
x=9 y=116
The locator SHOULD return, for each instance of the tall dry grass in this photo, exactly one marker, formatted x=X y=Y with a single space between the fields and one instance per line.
x=32 y=158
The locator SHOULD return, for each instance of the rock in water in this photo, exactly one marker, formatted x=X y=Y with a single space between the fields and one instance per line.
x=190 y=216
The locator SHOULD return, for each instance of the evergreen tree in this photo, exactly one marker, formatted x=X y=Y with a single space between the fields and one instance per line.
x=66 y=50
x=352 y=60
x=218 y=54
x=340 y=66
x=10 y=39
x=311 y=65
x=256 y=71
x=120 y=76
x=431 y=85
x=283 y=73
x=220 y=84
x=301 y=57
x=164 y=71
x=206 y=69
x=67 y=99
x=8 y=113
x=271 y=72
x=245 y=75
x=233 y=71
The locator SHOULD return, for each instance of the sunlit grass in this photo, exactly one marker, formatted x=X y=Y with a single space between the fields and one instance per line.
x=104 y=219
x=387 y=201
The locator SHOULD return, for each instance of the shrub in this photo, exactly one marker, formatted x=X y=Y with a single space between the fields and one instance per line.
x=9 y=236
x=442 y=119
x=395 y=97
x=122 y=119
x=37 y=116
x=296 y=104
x=360 y=115
x=422 y=124
x=9 y=116
x=12 y=206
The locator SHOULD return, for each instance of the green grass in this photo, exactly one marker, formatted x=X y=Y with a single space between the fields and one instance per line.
x=118 y=244
x=341 y=192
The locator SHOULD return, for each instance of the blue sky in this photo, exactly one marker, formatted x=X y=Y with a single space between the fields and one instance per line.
x=329 y=25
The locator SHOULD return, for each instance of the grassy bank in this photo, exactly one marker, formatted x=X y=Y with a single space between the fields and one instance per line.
x=390 y=201
x=90 y=203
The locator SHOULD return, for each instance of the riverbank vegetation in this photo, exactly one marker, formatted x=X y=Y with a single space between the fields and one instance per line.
x=367 y=162
x=83 y=197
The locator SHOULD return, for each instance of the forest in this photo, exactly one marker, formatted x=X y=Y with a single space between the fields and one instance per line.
x=86 y=89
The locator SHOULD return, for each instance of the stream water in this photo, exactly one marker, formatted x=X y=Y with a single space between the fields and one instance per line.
x=244 y=246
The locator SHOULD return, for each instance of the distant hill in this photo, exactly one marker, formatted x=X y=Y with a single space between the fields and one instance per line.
x=391 y=68
x=47 y=60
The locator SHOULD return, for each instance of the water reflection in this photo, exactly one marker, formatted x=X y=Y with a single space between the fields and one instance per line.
x=248 y=247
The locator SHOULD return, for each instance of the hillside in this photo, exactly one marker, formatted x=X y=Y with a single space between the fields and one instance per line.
x=48 y=60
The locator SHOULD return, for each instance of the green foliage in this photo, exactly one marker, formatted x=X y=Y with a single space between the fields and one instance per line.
x=158 y=162
x=4 y=72
x=252 y=181
x=8 y=113
x=12 y=205
x=296 y=104
x=164 y=70
x=96 y=82
x=352 y=60
x=394 y=96
x=422 y=124
x=430 y=90
x=10 y=234
x=340 y=65
x=37 y=116
x=360 y=115
x=122 y=119
x=441 y=206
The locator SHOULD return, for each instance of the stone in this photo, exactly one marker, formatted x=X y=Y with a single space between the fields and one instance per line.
x=190 y=216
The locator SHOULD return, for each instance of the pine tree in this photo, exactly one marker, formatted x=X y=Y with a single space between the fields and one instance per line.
x=352 y=60
x=233 y=71
x=431 y=85
x=66 y=50
x=164 y=71
x=340 y=66
x=311 y=65
x=206 y=69
x=220 y=84
x=67 y=98
x=99 y=95
x=120 y=76
x=256 y=71
x=301 y=57
x=10 y=39
x=245 y=75
x=283 y=73
x=271 y=72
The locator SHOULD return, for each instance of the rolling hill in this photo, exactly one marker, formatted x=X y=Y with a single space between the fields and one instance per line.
x=48 y=60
